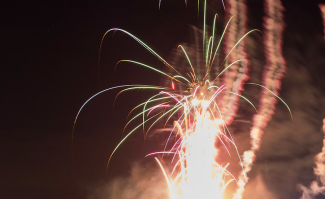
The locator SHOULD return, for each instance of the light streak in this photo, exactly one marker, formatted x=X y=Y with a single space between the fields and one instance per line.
x=273 y=73
x=234 y=78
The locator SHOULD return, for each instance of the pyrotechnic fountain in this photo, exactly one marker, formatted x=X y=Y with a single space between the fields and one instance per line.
x=196 y=151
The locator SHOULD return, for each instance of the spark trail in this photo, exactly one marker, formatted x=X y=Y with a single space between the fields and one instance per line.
x=273 y=72
x=236 y=75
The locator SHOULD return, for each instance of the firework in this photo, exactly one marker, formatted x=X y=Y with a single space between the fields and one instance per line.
x=201 y=124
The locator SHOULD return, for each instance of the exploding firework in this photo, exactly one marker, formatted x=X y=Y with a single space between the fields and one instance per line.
x=203 y=108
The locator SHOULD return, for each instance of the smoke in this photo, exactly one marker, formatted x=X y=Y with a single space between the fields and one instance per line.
x=272 y=75
x=256 y=189
x=317 y=186
x=145 y=181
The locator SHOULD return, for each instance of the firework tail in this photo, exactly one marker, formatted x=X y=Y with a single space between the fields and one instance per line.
x=322 y=8
x=273 y=72
x=236 y=75
x=316 y=187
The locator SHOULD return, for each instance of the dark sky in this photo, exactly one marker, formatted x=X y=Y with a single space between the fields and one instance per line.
x=49 y=62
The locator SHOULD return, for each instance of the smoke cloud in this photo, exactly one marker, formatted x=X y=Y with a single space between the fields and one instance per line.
x=256 y=189
x=145 y=181
x=317 y=186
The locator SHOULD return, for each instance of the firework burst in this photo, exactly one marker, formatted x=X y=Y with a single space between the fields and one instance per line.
x=200 y=130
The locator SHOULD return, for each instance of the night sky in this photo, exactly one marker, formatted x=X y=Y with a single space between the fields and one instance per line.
x=49 y=61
